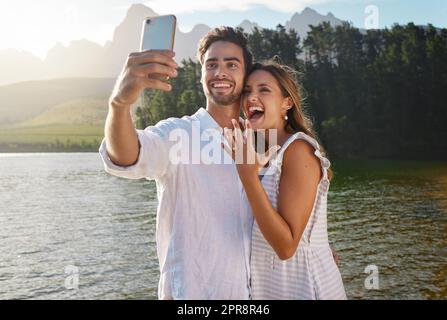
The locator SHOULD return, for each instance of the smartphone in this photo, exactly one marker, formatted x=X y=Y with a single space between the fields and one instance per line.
x=158 y=34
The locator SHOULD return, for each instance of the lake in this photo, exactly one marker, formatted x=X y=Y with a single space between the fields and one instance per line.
x=71 y=231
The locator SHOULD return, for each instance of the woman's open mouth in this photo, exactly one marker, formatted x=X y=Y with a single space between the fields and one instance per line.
x=255 y=113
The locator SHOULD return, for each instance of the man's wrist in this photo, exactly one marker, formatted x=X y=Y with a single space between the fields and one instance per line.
x=117 y=106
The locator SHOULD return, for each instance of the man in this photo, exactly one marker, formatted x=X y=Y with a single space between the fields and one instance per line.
x=203 y=226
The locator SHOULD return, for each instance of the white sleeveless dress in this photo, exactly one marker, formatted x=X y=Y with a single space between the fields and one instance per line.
x=311 y=272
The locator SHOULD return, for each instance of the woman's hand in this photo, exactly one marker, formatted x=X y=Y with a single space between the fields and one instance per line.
x=243 y=150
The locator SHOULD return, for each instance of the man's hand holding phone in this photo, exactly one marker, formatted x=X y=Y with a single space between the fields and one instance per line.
x=147 y=69
x=152 y=66
x=142 y=70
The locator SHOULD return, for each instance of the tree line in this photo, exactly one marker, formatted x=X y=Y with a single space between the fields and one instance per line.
x=371 y=94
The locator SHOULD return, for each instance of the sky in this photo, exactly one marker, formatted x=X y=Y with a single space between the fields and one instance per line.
x=36 y=26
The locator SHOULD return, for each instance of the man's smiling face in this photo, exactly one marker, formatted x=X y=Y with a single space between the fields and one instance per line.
x=223 y=73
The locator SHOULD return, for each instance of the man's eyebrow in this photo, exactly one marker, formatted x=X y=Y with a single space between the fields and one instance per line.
x=232 y=59
x=225 y=59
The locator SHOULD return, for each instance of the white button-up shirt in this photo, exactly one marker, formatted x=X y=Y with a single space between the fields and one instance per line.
x=203 y=229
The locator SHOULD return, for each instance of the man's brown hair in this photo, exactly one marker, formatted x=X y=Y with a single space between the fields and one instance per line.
x=228 y=34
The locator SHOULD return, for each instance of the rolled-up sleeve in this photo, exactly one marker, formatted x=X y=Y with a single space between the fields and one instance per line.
x=153 y=158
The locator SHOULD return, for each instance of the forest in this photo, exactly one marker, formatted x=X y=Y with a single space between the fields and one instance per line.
x=371 y=94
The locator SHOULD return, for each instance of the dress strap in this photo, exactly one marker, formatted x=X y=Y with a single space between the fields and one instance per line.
x=325 y=163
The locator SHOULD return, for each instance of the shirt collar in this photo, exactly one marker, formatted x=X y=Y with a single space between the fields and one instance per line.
x=206 y=120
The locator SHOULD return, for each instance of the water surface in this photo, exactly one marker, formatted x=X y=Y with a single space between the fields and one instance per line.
x=62 y=209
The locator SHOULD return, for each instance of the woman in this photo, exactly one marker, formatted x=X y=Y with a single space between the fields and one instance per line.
x=291 y=257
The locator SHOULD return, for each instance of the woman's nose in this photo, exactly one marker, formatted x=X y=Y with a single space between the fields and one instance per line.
x=252 y=97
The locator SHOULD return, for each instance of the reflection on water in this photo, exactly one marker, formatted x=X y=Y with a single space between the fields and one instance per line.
x=393 y=215
x=62 y=209
x=59 y=210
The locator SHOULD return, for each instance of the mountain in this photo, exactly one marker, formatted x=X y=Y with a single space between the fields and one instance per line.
x=301 y=21
x=185 y=44
x=126 y=38
x=83 y=58
x=248 y=26
x=19 y=66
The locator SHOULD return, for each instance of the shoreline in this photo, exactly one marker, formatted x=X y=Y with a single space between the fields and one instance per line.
x=347 y=161
x=48 y=148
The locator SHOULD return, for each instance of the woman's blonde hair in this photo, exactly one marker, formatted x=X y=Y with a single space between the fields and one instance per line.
x=297 y=119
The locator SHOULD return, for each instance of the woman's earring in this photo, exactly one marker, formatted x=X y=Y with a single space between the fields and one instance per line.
x=286 y=117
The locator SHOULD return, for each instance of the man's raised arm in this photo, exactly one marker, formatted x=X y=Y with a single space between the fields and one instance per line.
x=137 y=74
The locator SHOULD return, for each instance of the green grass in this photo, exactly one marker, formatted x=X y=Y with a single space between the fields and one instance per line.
x=50 y=133
x=56 y=137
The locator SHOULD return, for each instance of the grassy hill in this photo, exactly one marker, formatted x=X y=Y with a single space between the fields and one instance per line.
x=54 y=115
x=24 y=101
x=76 y=125
x=85 y=111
